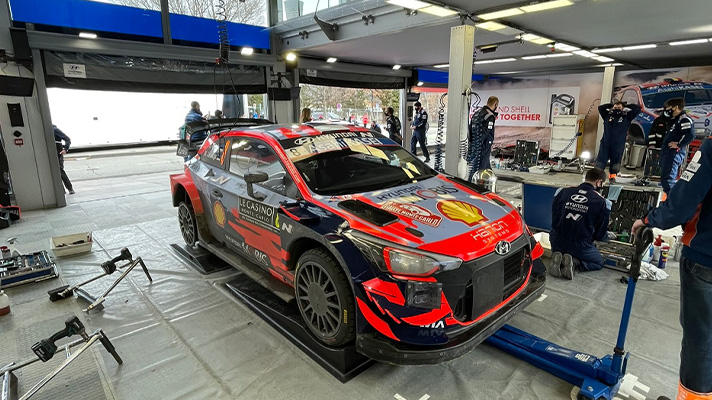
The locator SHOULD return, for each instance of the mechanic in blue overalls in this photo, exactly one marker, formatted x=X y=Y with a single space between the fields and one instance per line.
x=579 y=216
x=195 y=115
x=481 y=136
x=674 y=150
x=617 y=118
x=690 y=205
x=419 y=126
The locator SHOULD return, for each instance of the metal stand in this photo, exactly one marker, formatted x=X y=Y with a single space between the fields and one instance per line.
x=45 y=350
x=598 y=378
x=98 y=302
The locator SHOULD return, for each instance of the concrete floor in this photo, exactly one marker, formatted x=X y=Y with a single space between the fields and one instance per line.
x=183 y=337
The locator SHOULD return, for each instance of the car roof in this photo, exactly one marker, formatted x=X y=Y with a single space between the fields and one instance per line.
x=291 y=131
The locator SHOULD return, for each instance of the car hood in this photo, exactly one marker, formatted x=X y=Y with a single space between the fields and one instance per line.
x=440 y=214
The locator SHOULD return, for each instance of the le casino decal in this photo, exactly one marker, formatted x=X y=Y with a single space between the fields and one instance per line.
x=220 y=216
x=258 y=214
x=416 y=213
x=460 y=211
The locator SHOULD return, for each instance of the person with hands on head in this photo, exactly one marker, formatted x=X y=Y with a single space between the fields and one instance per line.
x=617 y=118
x=690 y=205
x=420 y=126
x=674 y=145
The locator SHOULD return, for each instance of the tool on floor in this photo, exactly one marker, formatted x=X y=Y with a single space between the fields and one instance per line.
x=96 y=303
x=598 y=378
x=109 y=267
x=46 y=349
x=26 y=268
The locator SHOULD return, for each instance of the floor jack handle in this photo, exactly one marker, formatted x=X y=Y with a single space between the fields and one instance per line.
x=642 y=240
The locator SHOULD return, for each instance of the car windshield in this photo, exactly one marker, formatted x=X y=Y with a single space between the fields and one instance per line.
x=357 y=167
x=693 y=97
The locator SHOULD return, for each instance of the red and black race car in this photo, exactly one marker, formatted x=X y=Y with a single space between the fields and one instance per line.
x=415 y=266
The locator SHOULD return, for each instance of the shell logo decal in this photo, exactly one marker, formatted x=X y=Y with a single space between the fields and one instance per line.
x=219 y=212
x=460 y=211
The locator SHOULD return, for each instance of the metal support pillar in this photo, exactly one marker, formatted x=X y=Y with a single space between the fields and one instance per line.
x=606 y=95
x=462 y=44
x=406 y=132
x=166 y=22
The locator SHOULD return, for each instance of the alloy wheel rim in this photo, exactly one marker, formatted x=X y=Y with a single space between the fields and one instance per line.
x=318 y=299
x=186 y=224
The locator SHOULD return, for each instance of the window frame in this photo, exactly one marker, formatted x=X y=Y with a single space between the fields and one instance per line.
x=228 y=163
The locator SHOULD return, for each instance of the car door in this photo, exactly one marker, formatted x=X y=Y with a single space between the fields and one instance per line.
x=253 y=227
x=209 y=174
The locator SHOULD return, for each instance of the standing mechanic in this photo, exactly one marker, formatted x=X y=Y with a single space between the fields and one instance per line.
x=674 y=147
x=690 y=204
x=420 y=128
x=579 y=216
x=616 y=121
x=62 y=149
x=481 y=136
x=393 y=126
x=657 y=132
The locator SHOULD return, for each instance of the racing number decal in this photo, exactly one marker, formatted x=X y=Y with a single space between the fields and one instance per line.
x=219 y=212
x=460 y=211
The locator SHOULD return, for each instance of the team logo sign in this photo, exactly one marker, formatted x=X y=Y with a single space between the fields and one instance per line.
x=460 y=211
x=502 y=247
x=413 y=212
x=219 y=212
x=579 y=198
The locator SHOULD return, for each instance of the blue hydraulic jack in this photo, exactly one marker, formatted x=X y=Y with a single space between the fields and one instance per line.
x=598 y=378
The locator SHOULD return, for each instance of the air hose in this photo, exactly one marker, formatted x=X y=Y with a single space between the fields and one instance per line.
x=223 y=37
x=439 y=136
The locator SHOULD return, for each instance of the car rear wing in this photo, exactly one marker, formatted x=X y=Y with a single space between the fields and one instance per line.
x=214 y=125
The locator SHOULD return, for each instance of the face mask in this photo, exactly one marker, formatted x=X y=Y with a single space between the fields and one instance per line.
x=599 y=189
x=617 y=111
x=667 y=113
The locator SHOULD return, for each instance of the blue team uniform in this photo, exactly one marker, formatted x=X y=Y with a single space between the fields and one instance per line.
x=615 y=131
x=420 y=123
x=681 y=131
x=579 y=216
x=481 y=137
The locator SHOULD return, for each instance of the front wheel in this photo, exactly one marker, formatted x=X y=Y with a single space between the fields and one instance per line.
x=325 y=298
x=188 y=226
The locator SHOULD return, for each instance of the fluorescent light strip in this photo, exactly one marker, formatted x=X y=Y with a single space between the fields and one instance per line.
x=441 y=66
x=420 y=83
x=603 y=59
x=438 y=11
x=557 y=55
x=505 y=60
x=87 y=35
x=397 y=67
x=539 y=57
x=684 y=42
x=491 y=26
x=608 y=50
x=542 y=41
x=584 y=53
x=484 y=62
x=409 y=4
x=546 y=5
x=529 y=37
x=510 y=12
x=611 y=65
x=331 y=60
x=565 y=47
x=247 y=51
x=640 y=47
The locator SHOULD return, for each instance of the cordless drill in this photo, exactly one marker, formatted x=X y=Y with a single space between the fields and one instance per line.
x=110 y=266
x=45 y=348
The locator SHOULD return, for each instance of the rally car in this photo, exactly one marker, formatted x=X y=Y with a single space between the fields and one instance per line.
x=415 y=266
x=652 y=97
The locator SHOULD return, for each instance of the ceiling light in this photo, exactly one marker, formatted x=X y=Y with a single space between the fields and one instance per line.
x=247 y=51
x=484 y=62
x=331 y=60
x=491 y=26
x=290 y=56
x=439 y=11
x=489 y=48
x=565 y=47
x=397 y=66
x=530 y=37
x=87 y=35
x=534 y=57
x=611 y=65
x=548 y=5
x=556 y=55
x=441 y=65
x=640 y=47
x=409 y=4
x=420 y=83
x=505 y=60
x=501 y=14
x=608 y=50
x=584 y=53
x=542 y=41
x=684 y=42
x=603 y=59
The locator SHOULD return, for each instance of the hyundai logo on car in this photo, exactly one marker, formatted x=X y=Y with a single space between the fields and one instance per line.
x=502 y=247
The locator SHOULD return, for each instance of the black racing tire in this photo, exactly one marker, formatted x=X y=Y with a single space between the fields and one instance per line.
x=325 y=298
x=188 y=225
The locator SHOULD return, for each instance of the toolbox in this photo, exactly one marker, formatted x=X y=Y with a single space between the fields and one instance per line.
x=26 y=268
x=63 y=246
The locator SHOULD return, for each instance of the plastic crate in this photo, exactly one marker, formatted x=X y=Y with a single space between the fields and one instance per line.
x=67 y=245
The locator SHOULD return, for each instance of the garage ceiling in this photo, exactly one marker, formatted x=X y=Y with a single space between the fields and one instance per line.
x=587 y=24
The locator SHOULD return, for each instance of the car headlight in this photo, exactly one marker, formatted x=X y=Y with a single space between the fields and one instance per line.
x=401 y=260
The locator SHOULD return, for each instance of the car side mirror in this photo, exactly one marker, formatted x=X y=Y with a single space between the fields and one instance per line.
x=255 y=177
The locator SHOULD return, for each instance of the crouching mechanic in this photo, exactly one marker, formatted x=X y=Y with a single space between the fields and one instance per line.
x=690 y=205
x=579 y=216
x=617 y=118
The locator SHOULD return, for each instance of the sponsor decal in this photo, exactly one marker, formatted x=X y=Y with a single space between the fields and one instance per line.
x=309 y=145
x=495 y=230
x=435 y=325
x=416 y=213
x=687 y=175
x=219 y=212
x=573 y=216
x=416 y=193
x=224 y=153
x=460 y=211
x=581 y=208
x=287 y=227
x=261 y=257
x=220 y=180
x=582 y=357
x=579 y=198
x=258 y=214
x=697 y=157
x=240 y=245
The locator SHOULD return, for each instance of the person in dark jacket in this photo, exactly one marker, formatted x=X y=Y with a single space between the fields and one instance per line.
x=617 y=118
x=579 y=216
x=62 y=142
x=194 y=114
x=393 y=126
x=690 y=205
x=657 y=132
x=420 y=127
x=481 y=136
x=674 y=146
